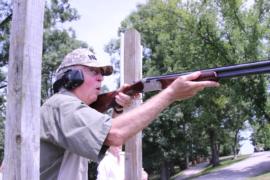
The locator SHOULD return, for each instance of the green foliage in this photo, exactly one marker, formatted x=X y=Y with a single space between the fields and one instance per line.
x=5 y=17
x=58 y=11
x=261 y=136
x=183 y=36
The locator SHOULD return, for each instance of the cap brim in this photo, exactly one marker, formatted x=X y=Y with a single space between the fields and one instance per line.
x=107 y=70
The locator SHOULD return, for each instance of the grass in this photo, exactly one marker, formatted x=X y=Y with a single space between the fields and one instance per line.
x=223 y=163
x=265 y=176
x=178 y=174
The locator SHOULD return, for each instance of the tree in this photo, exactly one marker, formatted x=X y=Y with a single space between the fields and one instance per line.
x=184 y=36
x=260 y=137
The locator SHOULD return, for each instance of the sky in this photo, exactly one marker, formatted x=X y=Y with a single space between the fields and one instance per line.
x=99 y=22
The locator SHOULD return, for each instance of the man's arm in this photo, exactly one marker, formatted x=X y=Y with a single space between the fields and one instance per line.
x=130 y=123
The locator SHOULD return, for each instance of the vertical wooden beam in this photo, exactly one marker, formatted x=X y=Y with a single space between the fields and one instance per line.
x=22 y=131
x=133 y=72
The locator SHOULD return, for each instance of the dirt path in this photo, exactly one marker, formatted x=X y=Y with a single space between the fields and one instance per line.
x=256 y=164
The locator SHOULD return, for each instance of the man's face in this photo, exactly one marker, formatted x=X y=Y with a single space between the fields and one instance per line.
x=91 y=86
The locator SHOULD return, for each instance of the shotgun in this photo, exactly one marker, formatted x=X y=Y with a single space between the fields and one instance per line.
x=156 y=83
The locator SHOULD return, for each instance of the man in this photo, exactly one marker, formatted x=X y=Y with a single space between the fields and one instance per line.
x=72 y=132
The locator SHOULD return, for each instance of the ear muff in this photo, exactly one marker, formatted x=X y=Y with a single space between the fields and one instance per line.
x=69 y=79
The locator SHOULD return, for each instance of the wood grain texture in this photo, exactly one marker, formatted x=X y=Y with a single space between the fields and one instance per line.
x=133 y=73
x=22 y=130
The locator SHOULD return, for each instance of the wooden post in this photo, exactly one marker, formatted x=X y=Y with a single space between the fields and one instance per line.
x=22 y=130
x=132 y=68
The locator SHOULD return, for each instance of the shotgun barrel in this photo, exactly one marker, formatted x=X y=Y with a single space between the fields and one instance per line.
x=155 y=83
x=259 y=67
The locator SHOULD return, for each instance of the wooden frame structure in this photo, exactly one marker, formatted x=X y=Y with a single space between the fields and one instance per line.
x=131 y=63
x=22 y=129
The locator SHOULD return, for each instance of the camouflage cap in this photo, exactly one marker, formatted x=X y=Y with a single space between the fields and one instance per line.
x=85 y=57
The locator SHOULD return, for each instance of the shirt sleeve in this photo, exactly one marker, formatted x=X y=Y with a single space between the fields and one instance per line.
x=82 y=130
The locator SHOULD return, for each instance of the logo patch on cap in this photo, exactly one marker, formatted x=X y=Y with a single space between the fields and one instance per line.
x=92 y=57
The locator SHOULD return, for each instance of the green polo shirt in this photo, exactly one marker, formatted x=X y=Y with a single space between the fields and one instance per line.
x=71 y=133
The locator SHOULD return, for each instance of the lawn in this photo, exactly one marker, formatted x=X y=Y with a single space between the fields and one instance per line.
x=223 y=163
x=265 y=176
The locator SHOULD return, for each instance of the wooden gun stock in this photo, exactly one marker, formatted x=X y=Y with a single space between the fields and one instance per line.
x=107 y=100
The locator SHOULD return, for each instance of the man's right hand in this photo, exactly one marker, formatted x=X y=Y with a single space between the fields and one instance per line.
x=183 y=87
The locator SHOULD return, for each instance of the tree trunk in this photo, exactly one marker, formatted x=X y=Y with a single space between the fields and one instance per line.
x=186 y=151
x=165 y=174
x=214 y=147
x=186 y=160
x=235 y=151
